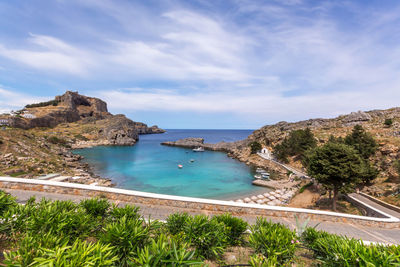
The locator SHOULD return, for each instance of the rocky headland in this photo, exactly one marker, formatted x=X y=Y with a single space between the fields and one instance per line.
x=38 y=138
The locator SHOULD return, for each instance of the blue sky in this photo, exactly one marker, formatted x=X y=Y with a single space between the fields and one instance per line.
x=204 y=64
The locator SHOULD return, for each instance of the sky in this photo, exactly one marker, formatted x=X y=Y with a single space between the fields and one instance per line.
x=220 y=64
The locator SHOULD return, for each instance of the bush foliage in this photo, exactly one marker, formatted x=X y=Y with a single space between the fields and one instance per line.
x=296 y=144
x=43 y=104
x=95 y=233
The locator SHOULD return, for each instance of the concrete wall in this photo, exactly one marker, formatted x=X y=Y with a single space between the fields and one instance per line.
x=212 y=206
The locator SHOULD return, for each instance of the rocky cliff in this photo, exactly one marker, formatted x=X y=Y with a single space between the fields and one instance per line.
x=72 y=107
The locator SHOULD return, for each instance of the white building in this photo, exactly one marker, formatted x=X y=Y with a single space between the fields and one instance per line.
x=4 y=122
x=28 y=116
x=266 y=152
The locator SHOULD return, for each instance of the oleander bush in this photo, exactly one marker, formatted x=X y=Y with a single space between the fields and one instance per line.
x=126 y=236
x=235 y=228
x=6 y=202
x=128 y=211
x=177 y=222
x=166 y=251
x=208 y=237
x=273 y=240
x=333 y=250
x=96 y=206
x=94 y=233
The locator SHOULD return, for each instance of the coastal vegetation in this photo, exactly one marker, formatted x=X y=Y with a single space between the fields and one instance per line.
x=255 y=147
x=97 y=233
x=388 y=122
x=43 y=104
x=296 y=144
x=343 y=164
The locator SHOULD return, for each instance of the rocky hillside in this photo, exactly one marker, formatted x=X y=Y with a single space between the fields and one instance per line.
x=387 y=135
x=38 y=137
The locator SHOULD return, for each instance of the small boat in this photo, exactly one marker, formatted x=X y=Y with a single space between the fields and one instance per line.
x=257 y=176
x=265 y=177
x=180 y=166
x=198 y=149
x=265 y=173
x=191 y=160
x=259 y=170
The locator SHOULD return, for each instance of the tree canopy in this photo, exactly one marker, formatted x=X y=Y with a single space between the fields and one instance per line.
x=254 y=147
x=295 y=144
x=336 y=165
x=362 y=141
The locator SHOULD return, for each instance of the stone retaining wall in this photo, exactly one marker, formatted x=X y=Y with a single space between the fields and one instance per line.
x=212 y=206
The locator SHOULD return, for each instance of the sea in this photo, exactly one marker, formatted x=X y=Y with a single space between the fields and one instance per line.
x=151 y=167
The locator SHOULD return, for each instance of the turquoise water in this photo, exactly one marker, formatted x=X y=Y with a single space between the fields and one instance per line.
x=151 y=167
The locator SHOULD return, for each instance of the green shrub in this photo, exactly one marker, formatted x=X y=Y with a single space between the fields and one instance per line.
x=95 y=206
x=388 y=122
x=207 y=236
x=235 y=228
x=273 y=240
x=6 y=202
x=57 y=141
x=166 y=251
x=304 y=187
x=59 y=217
x=126 y=236
x=128 y=211
x=43 y=104
x=29 y=247
x=81 y=137
x=255 y=147
x=177 y=222
x=49 y=250
x=333 y=250
x=259 y=260
x=296 y=144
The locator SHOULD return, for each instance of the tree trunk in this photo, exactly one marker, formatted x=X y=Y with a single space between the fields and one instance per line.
x=335 y=197
x=330 y=194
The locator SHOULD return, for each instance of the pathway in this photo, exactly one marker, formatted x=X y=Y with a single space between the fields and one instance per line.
x=373 y=234
x=289 y=168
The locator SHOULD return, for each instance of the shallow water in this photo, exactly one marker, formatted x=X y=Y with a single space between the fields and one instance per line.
x=151 y=167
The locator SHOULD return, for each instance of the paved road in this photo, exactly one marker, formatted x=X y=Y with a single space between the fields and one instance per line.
x=375 y=205
x=161 y=212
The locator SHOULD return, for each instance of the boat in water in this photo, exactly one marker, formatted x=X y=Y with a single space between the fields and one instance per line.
x=257 y=176
x=198 y=149
x=191 y=160
x=180 y=166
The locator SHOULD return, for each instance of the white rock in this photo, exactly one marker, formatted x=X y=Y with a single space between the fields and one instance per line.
x=272 y=193
x=260 y=201
x=266 y=194
x=254 y=198
x=247 y=200
x=279 y=191
x=271 y=203
x=240 y=200
x=260 y=196
x=272 y=197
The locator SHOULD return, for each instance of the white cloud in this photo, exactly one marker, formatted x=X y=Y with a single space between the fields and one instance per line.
x=10 y=100
x=51 y=54
x=278 y=59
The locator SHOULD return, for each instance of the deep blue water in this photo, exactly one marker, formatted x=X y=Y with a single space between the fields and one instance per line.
x=151 y=167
